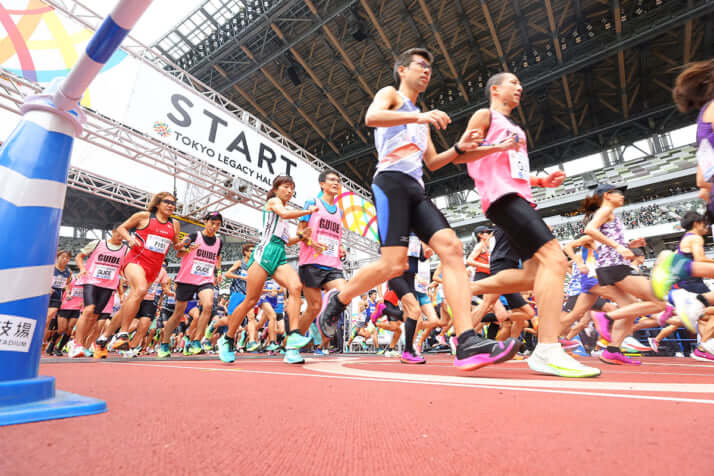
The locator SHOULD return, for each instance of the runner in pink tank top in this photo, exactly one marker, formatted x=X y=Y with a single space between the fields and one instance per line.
x=502 y=177
x=68 y=313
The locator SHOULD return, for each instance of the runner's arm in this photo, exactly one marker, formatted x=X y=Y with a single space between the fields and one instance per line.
x=230 y=274
x=137 y=220
x=697 y=245
x=276 y=205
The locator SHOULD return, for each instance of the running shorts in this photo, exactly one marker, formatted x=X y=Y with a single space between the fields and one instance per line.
x=480 y=275
x=609 y=275
x=96 y=295
x=147 y=308
x=316 y=276
x=234 y=301
x=693 y=285
x=422 y=298
x=514 y=300
x=587 y=283
x=569 y=304
x=402 y=285
x=68 y=314
x=151 y=268
x=185 y=292
x=54 y=301
x=279 y=316
x=599 y=303
x=403 y=206
x=524 y=227
x=103 y=316
x=269 y=256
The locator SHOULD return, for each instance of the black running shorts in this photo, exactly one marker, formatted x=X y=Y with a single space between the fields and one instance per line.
x=147 y=309
x=609 y=275
x=525 y=229
x=68 y=313
x=97 y=296
x=403 y=206
x=402 y=285
x=316 y=276
x=103 y=316
x=185 y=292
x=693 y=285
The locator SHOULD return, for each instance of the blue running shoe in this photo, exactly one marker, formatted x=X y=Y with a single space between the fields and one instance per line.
x=164 y=351
x=226 y=349
x=252 y=346
x=292 y=356
x=296 y=341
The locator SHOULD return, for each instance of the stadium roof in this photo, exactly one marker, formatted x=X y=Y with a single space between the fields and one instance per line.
x=596 y=73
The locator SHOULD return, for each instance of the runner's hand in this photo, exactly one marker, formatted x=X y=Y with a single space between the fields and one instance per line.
x=625 y=252
x=133 y=242
x=507 y=144
x=314 y=209
x=438 y=119
x=555 y=179
x=471 y=140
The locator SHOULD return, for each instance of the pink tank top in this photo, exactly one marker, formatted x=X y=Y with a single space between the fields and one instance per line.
x=156 y=285
x=198 y=265
x=73 y=297
x=327 y=230
x=502 y=173
x=103 y=266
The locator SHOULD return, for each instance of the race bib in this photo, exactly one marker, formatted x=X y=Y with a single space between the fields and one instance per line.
x=201 y=268
x=59 y=282
x=332 y=244
x=421 y=280
x=156 y=243
x=104 y=272
x=705 y=159
x=414 y=247
x=520 y=168
x=76 y=292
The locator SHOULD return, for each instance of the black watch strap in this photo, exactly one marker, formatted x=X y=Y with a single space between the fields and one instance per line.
x=458 y=151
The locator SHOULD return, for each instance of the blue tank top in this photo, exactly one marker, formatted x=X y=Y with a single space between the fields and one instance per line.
x=401 y=148
x=679 y=247
x=371 y=307
x=238 y=285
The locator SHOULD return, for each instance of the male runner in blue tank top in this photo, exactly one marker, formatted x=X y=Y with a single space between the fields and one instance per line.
x=404 y=146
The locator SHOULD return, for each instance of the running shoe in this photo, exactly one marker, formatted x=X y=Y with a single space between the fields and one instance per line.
x=707 y=346
x=292 y=356
x=453 y=343
x=164 y=352
x=330 y=313
x=602 y=324
x=654 y=345
x=702 y=355
x=296 y=341
x=391 y=353
x=381 y=351
x=226 y=349
x=319 y=352
x=411 y=358
x=272 y=347
x=364 y=346
x=206 y=346
x=568 y=344
x=241 y=341
x=252 y=346
x=76 y=351
x=617 y=358
x=477 y=352
x=196 y=348
x=664 y=315
x=100 y=352
x=130 y=354
x=630 y=344
x=689 y=309
x=379 y=310
x=669 y=268
x=187 y=349
x=553 y=360
x=209 y=332
x=120 y=343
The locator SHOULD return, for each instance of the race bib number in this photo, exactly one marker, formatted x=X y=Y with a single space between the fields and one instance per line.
x=156 y=243
x=59 y=282
x=332 y=244
x=520 y=168
x=201 y=268
x=76 y=292
x=104 y=272
x=705 y=159
x=421 y=280
x=414 y=247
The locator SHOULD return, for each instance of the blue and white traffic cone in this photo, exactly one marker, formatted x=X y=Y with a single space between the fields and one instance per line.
x=34 y=162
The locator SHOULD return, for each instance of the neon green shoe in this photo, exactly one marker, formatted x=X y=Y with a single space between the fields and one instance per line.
x=252 y=346
x=209 y=332
x=669 y=268
x=163 y=352
x=196 y=348
x=554 y=361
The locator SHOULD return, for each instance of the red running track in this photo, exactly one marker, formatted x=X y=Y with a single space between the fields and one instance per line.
x=369 y=415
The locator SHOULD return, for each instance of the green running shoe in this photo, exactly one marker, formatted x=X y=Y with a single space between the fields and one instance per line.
x=252 y=346
x=163 y=352
x=226 y=351
x=196 y=348
x=272 y=347
x=296 y=341
x=292 y=356
x=241 y=341
x=206 y=345
x=187 y=349
x=209 y=332
x=669 y=268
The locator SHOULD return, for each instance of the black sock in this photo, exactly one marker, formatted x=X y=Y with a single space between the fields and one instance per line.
x=51 y=344
x=703 y=300
x=409 y=330
x=466 y=335
x=62 y=342
x=613 y=349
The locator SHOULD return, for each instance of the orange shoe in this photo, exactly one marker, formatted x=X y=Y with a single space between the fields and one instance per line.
x=121 y=343
x=100 y=352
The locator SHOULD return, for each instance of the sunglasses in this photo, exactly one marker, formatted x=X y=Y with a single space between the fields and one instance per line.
x=169 y=202
x=423 y=64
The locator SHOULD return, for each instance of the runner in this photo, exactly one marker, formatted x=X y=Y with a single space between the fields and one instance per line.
x=320 y=266
x=155 y=232
x=201 y=259
x=268 y=259
x=404 y=146
x=68 y=314
x=501 y=174
x=101 y=276
x=60 y=280
x=363 y=325
x=147 y=314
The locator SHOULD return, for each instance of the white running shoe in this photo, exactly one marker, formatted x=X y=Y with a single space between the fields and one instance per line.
x=654 y=345
x=75 y=351
x=554 y=361
x=630 y=344
x=391 y=353
x=688 y=307
x=708 y=346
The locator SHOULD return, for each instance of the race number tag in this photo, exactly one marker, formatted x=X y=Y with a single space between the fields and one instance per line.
x=201 y=268
x=421 y=279
x=76 y=292
x=59 y=282
x=156 y=243
x=332 y=244
x=414 y=247
x=705 y=159
x=104 y=272
x=520 y=168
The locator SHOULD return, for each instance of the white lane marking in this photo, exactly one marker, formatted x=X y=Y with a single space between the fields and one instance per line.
x=25 y=283
x=421 y=382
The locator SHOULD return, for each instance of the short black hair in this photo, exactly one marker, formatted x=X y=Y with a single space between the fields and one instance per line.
x=406 y=57
x=323 y=175
x=496 y=79
x=372 y=291
x=690 y=218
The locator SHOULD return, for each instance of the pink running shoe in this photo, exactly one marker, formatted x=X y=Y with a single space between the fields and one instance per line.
x=602 y=324
x=378 y=312
x=664 y=315
x=654 y=345
x=617 y=358
x=410 y=358
x=568 y=344
x=702 y=355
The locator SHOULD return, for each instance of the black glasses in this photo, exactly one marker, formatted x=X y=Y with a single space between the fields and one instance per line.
x=169 y=202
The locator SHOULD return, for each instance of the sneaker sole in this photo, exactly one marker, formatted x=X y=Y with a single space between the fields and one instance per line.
x=659 y=289
x=565 y=373
x=604 y=333
x=328 y=331
x=411 y=362
x=478 y=361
